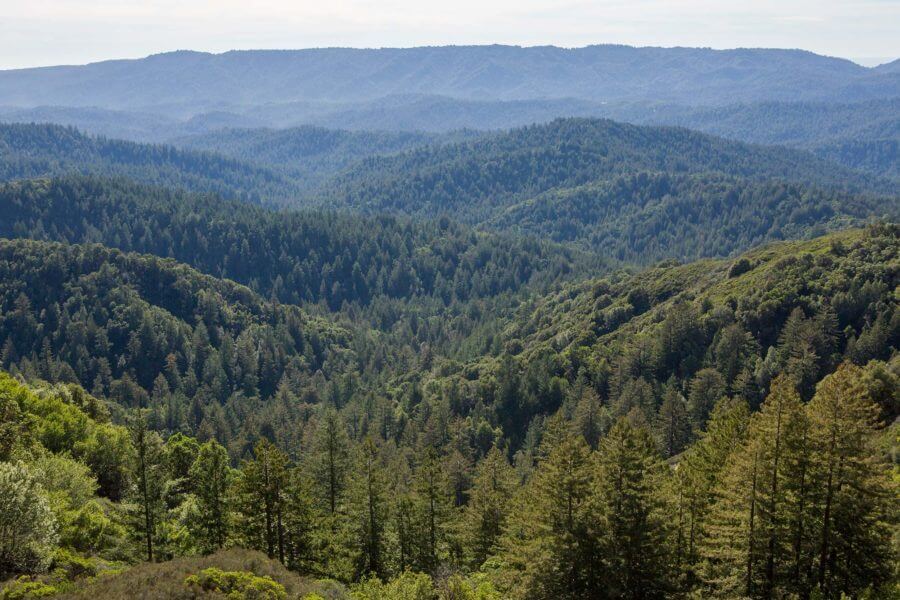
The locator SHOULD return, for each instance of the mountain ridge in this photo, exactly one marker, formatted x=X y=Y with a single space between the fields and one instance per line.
x=598 y=72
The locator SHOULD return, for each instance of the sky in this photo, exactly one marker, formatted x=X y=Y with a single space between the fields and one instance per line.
x=49 y=32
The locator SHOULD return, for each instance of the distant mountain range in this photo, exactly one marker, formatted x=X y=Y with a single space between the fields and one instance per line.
x=185 y=83
x=636 y=193
x=838 y=109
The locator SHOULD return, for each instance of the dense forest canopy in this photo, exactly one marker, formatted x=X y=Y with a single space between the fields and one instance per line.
x=35 y=150
x=247 y=357
x=358 y=491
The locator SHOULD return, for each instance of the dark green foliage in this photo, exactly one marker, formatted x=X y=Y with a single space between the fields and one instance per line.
x=32 y=150
x=139 y=318
x=309 y=154
x=294 y=257
x=647 y=216
x=478 y=180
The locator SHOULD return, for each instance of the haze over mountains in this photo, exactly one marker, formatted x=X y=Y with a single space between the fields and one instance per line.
x=831 y=106
x=438 y=323
x=187 y=81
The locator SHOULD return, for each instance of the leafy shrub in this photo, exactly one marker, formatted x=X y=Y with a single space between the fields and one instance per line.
x=238 y=585
x=72 y=566
x=24 y=588
x=408 y=586
x=739 y=267
x=28 y=524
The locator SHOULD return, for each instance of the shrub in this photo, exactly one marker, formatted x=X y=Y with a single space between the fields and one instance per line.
x=408 y=586
x=28 y=524
x=238 y=585
x=739 y=267
x=24 y=588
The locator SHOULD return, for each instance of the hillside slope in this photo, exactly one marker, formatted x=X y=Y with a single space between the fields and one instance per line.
x=293 y=256
x=35 y=150
x=699 y=330
x=309 y=154
x=194 y=80
x=622 y=176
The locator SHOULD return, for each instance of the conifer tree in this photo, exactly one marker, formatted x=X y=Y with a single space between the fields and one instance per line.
x=260 y=499
x=857 y=507
x=673 y=427
x=630 y=505
x=369 y=514
x=331 y=456
x=486 y=514
x=747 y=548
x=300 y=523
x=550 y=544
x=431 y=511
x=696 y=477
x=210 y=478
x=148 y=475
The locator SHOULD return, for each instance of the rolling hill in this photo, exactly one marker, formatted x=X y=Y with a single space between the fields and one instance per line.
x=35 y=150
x=573 y=178
x=189 y=82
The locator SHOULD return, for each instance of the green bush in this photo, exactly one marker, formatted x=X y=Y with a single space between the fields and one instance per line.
x=24 y=588
x=238 y=585
x=408 y=586
x=70 y=565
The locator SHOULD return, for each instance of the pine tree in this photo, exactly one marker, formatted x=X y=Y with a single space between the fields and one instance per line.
x=369 y=512
x=431 y=511
x=697 y=475
x=630 y=505
x=550 y=544
x=486 y=514
x=748 y=539
x=259 y=497
x=588 y=415
x=858 y=499
x=148 y=474
x=210 y=478
x=673 y=427
x=331 y=456
x=300 y=523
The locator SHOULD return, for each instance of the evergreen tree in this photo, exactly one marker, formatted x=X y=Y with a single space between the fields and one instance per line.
x=673 y=427
x=260 y=500
x=747 y=547
x=697 y=477
x=630 y=505
x=488 y=509
x=301 y=518
x=431 y=511
x=148 y=475
x=857 y=506
x=210 y=478
x=550 y=546
x=369 y=512
x=331 y=456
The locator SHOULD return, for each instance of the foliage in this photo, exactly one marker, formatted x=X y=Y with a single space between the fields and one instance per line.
x=238 y=585
x=28 y=529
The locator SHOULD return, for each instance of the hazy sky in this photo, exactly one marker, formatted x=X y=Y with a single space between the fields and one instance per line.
x=46 y=32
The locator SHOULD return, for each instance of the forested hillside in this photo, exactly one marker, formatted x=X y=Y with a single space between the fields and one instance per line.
x=310 y=154
x=34 y=150
x=760 y=377
x=189 y=82
x=619 y=188
x=147 y=332
x=294 y=257
x=648 y=216
x=247 y=357
x=864 y=135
